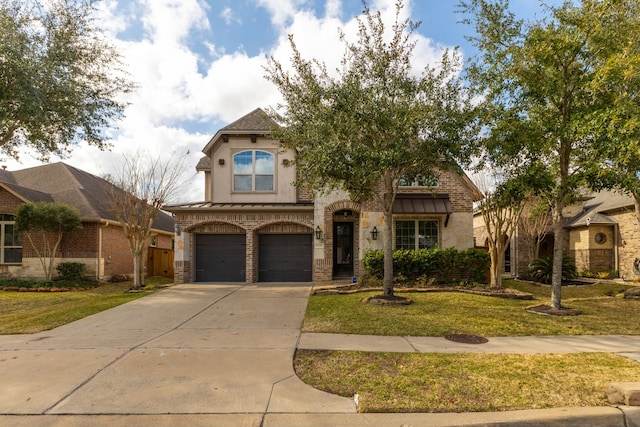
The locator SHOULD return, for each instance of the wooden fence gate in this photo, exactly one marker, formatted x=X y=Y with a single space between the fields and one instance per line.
x=160 y=262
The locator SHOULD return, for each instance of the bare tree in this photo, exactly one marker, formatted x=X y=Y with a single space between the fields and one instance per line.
x=500 y=213
x=141 y=186
x=535 y=225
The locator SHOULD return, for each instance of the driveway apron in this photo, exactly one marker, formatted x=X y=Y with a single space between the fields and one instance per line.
x=199 y=349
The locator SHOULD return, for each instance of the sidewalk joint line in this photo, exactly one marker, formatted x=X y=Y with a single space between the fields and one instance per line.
x=131 y=349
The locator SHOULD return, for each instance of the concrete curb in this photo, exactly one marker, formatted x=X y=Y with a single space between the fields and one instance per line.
x=556 y=417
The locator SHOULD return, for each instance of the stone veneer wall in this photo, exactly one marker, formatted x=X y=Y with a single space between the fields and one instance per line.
x=628 y=243
x=588 y=254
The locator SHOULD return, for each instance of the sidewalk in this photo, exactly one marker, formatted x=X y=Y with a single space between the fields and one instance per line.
x=624 y=345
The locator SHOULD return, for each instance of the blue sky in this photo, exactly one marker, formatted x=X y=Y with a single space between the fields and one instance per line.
x=199 y=64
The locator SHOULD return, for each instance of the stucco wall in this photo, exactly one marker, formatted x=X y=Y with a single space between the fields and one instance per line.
x=221 y=178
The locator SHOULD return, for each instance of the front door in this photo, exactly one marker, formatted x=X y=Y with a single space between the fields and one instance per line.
x=342 y=249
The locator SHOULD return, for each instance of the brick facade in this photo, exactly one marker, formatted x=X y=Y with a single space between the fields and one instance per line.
x=81 y=246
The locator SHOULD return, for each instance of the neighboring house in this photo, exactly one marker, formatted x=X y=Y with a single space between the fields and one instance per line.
x=255 y=226
x=100 y=245
x=602 y=235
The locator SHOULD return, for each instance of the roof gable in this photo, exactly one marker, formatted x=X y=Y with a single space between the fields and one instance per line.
x=256 y=122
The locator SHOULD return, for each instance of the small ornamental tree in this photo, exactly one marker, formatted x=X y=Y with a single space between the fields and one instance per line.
x=44 y=224
x=140 y=187
x=501 y=209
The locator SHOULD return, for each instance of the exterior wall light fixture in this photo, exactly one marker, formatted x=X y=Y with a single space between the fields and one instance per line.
x=374 y=233
x=318 y=233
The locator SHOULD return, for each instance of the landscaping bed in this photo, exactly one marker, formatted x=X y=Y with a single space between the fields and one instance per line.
x=479 y=290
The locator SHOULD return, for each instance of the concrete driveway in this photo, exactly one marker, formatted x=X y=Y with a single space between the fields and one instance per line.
x=189 y=349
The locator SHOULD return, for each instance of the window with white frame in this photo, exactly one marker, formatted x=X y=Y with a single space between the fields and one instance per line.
x=11 y=240
x=253 y=170
x=416 y=234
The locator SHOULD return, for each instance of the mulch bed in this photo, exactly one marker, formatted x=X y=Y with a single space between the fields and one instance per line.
x=492 y=292
x=21 y=289
x=547 y=310
x=386 y=300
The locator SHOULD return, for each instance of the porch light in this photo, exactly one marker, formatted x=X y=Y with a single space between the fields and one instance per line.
x=374 y=233
x=318 y=233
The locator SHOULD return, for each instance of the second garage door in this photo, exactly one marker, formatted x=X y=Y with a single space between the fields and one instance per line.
x=285 y=258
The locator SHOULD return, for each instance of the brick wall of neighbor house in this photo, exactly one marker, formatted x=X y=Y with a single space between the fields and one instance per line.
x=79 y=246
x=251 y=224
x=8 y=202
x=115 y=251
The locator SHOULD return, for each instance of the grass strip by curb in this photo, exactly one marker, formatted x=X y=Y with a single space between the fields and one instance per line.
x=436 y=382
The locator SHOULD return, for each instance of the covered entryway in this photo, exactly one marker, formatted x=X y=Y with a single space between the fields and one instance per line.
x=285 y=258
x=220 y=257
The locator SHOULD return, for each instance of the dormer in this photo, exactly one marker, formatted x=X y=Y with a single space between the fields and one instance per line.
x=244 y=165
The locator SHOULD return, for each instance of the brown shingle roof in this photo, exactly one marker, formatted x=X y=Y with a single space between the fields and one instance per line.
x=61 y=183
x=257 y=121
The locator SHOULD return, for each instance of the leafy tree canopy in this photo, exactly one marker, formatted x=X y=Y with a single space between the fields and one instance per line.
x=375 y=120
x=375 y=115
x=549 y=91
x=60 y=79
x=48 y=217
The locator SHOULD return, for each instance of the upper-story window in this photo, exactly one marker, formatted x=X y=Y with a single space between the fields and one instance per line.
x=253 y=170
x=10 y=241
x=419 y=181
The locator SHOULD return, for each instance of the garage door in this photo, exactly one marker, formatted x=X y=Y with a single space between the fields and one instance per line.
x=285 y=258
x=220 y=257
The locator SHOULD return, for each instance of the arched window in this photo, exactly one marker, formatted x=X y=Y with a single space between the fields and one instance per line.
x=10 y=241
x=253 y=170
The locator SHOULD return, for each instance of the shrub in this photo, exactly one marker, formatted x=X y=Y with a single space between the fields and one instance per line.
x=541 y=269
x=70 y=271
x=431 y=265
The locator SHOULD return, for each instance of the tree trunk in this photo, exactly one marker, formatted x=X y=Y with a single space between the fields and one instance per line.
x=556 y=277
x=137 y=282
x=388 y=255
x=496 y=273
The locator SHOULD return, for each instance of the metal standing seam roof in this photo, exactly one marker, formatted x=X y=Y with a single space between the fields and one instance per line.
x=238 y=206
x=421 y=204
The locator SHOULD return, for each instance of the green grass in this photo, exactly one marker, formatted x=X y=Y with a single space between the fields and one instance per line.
x=30 y=312
x=431 y=382
x=441 y=313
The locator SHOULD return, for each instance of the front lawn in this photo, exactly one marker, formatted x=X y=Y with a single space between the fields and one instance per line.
x=465 y=382
x=30 y=312
x=434 y=382
x=605 y=312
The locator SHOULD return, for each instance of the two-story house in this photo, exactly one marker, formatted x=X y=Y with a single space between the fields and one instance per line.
x=255 y=226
